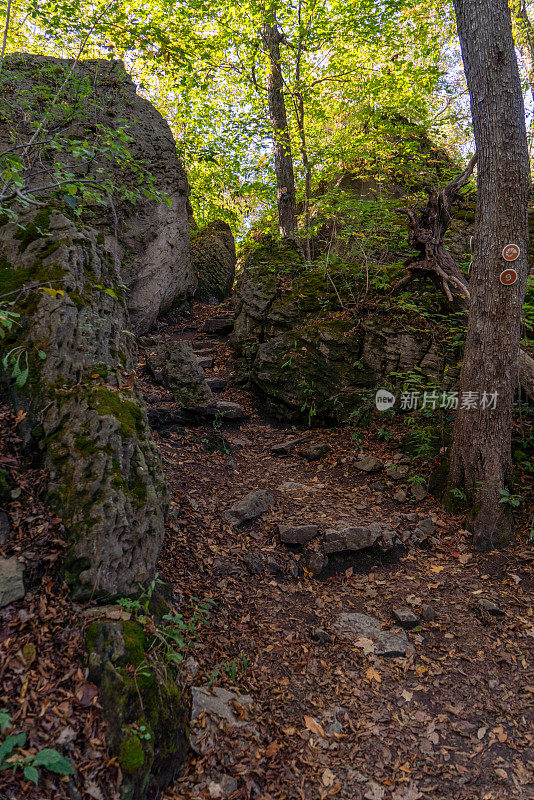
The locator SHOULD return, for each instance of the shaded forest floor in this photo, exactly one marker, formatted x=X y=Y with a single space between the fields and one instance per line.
x=329 y=718
x=454 y=719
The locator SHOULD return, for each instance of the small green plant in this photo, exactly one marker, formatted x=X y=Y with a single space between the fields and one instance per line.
x=513 y=500
x=384 y=434
x=458 y=494
x=231 y=668
x=12 y=758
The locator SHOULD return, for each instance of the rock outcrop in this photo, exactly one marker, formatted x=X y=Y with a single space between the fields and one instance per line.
x=214 y=259
x=80 y=400
x=307 y=358
x=153 y=230
x=143 y=704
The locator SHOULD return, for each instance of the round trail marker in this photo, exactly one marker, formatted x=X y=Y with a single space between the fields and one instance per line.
x=508 y=276
x=510 y=252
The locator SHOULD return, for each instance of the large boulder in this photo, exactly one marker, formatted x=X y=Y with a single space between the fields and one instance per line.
x=153 y=231
x=176 y=367
x=214 y=259
x=80 y=400
x=308 y=359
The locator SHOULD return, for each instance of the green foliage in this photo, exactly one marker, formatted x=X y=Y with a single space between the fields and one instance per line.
x=11 y=758
x=513 y=500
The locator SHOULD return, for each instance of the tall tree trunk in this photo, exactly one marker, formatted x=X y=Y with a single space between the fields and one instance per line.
x=481 y=448
x=283 y=159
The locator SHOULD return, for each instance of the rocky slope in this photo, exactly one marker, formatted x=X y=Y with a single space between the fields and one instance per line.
x=98 y=96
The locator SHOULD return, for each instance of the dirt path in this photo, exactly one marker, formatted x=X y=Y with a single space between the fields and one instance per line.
x=330 y=718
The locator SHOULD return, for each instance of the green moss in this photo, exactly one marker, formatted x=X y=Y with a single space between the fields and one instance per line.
x=131 y=754
x=110 y=403
x=35 y=230
x=134 y=641
x=11 y=280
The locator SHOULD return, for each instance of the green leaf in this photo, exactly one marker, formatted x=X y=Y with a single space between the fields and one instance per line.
x=53 y=761
x=5 y=720
x=42 y=355
x=9 y=744
x=31 y=774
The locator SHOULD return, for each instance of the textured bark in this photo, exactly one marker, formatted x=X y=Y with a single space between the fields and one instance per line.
x=481 y=450
x=283 y=159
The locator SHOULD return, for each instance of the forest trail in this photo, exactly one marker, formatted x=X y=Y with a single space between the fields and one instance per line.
x=330 y=717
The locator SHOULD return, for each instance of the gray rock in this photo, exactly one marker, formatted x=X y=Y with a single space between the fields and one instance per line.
x=216 y=384
x=315 y=452
x=386 y=643
x=351 y=538
x=428 y=613
x=286 y=447
x=315 y=561
x=397 y=472
x=220 y=326
x=388 y=539
x=411 y=517
x=252 y=506
x=11 y=581
x=223 y=786
x=426 y=525
x=400 y=495
x=297 y=534
x=104 y=468
x=205 y=362
x=175 y=366
x=368 y=464
x=254 y=563
x=218 y=701
x=191 y=666
x=418 y=492
x=273 y=566
x=214 y=258
x=321 y=636
x=405 y=617
x=224 y=410
x=490 y=607
x=153 y=237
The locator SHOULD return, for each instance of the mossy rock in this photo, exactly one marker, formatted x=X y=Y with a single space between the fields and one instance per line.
x=144 y=706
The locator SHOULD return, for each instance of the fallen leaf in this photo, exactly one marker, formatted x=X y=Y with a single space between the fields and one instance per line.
x=272 y=749
x=327 y=777
x=373 y=675
x=313 y=726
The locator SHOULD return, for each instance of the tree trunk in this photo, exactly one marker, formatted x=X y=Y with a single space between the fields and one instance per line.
x=299 y=111
x=481 y=448
x=283 y=159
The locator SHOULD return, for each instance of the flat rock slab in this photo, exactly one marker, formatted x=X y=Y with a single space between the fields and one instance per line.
x=216 y=384
x=286 y=447
x=385 y=643
x=11 y=583
x=218 y=701
x=405 y=617
x=368 y=464
x=315 y=452
x=220 y=326
x=353 y=537
x=249 y=508
x=224 y=409
x=297 y=534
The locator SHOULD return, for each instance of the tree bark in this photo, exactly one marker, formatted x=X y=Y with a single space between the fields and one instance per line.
x=481 y=449
x=283 y=159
